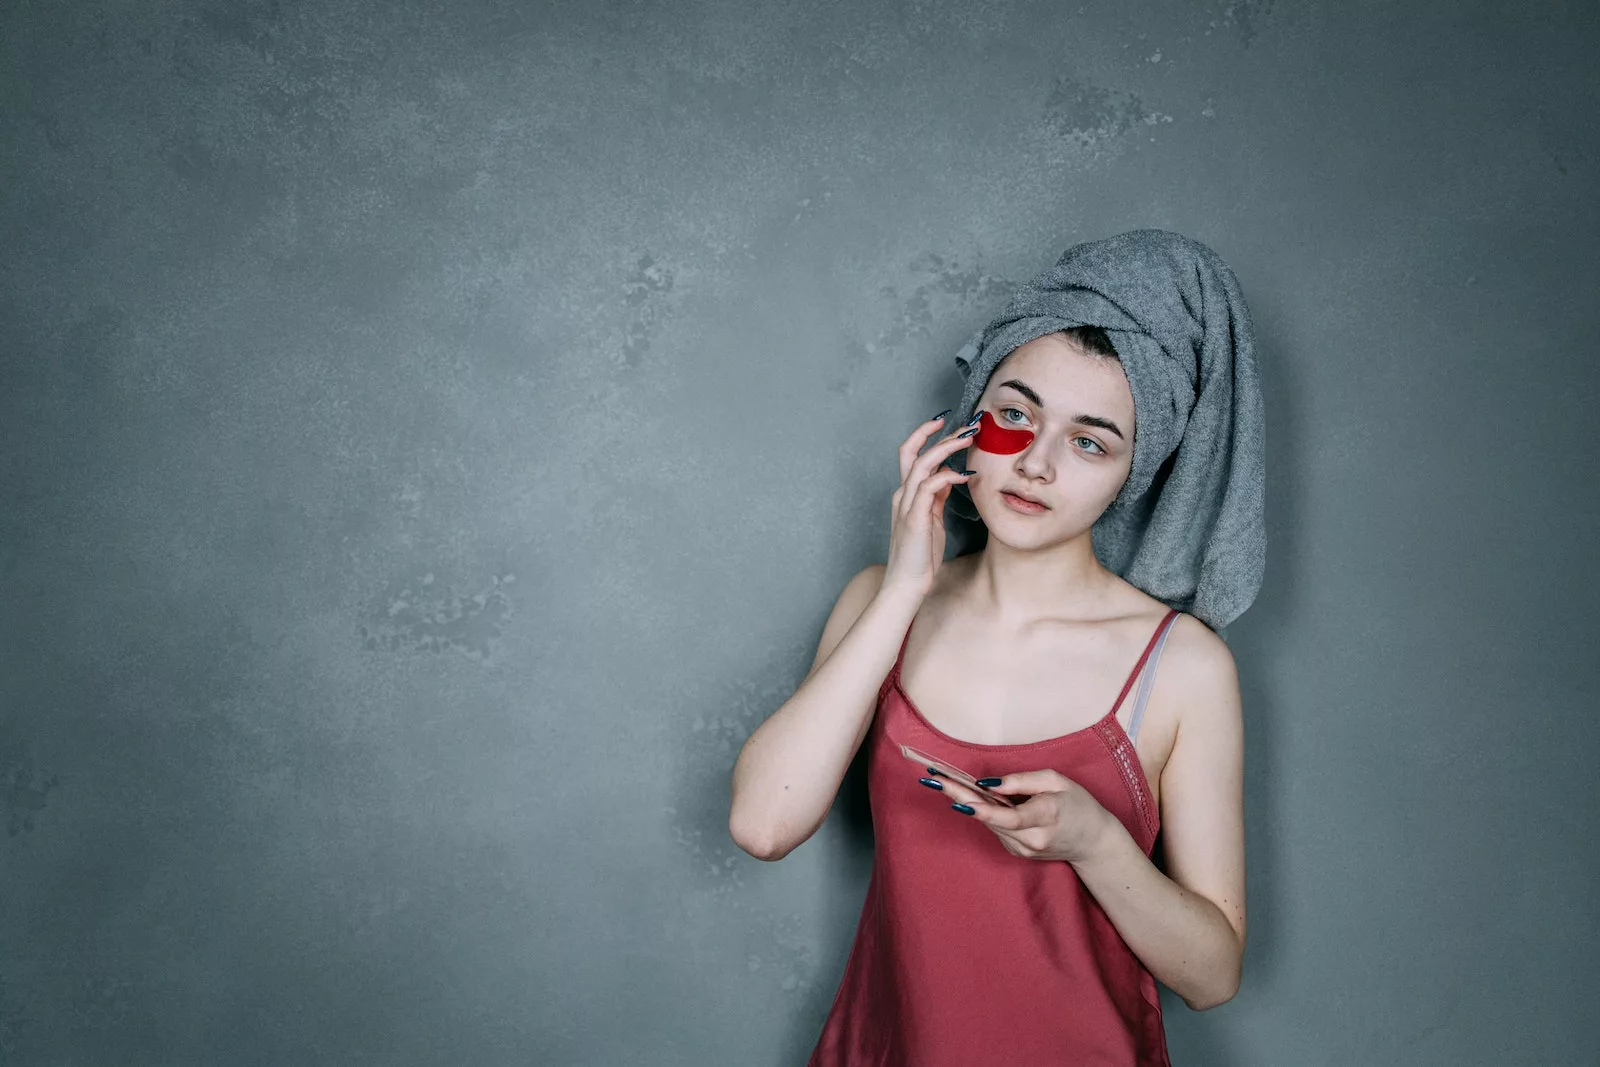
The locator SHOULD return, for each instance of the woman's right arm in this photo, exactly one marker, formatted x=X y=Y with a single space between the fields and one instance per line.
x=789 y=770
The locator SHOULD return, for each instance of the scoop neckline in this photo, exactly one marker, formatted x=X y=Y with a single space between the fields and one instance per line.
x=923 y=719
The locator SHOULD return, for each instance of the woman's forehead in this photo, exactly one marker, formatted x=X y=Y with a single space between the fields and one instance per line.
x=1061 y=377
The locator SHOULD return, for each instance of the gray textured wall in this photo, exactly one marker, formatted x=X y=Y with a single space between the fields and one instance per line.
x=433 y=435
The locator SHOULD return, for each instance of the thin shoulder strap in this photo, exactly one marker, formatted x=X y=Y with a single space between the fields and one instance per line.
x=1161 y=631
x=1149 y=678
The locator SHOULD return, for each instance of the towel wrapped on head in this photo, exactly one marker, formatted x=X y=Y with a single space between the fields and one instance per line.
x=1188 y=525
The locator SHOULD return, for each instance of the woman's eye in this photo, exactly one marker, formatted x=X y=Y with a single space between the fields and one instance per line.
x=1004 y=411
x=1092 y=441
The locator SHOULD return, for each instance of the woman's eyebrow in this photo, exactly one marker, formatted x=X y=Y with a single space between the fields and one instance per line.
x=1082 y=420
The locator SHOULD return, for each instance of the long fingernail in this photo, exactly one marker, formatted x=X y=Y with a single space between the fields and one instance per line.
x=966 y=433
x=988 y=783
x=931 y=784
x=941 y=414
x=974 y=420
x=965 y=809
x=934 y=772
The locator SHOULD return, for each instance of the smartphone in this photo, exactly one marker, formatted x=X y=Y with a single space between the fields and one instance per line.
x=955 y=774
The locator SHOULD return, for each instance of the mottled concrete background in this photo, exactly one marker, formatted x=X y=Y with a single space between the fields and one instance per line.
x=433 y=436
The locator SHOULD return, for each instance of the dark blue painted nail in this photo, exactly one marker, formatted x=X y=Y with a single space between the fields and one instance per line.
x=933 y=772
x=965 y=809
x=969 y=473
x=931 y=784
x=966 y=433
x=941 y=414
x=988 y=783
x=974 y=420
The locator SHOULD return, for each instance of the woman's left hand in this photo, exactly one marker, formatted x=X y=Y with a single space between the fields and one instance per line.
x=1060 y=820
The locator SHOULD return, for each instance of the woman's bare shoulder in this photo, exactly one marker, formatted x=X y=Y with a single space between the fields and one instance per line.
x=1200 y=669
x=1191 y=646
x=1196 y=647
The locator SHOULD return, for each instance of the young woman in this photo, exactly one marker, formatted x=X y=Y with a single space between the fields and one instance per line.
x=1020 y=919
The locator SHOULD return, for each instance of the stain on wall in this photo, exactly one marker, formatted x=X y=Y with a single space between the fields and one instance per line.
x=1088 y=116
x=1243 y=18
x=645 y=293
x=427 y=614
x=25 y=791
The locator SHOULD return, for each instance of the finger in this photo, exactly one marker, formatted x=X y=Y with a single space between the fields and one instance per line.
x=927 y=494
x=911 y=450
x=956 y=440
x=969 y=801
x=919 y=437
x=960 y=794
x=1028 y=783
x=997 y=817
x=924 y=481
x=981 y=790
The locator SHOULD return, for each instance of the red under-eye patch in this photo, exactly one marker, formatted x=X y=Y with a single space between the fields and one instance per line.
x=1002 y=441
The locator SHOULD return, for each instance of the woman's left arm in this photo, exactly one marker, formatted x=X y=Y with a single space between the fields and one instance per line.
x=1186 y=926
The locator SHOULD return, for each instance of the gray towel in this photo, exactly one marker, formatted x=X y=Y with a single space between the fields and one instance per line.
x=1188 y=526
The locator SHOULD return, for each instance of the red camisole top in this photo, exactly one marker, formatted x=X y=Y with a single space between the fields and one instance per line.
x=966 y=954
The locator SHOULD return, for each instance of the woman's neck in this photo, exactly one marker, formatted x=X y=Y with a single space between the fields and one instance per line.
x=1022 y=586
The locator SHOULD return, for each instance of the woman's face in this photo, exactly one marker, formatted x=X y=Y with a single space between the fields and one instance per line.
x=1079 y=409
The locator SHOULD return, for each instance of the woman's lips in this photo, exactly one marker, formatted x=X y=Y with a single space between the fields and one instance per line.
x=1016 y=503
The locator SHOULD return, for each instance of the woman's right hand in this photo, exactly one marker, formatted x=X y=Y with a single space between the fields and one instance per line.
x=916 y=526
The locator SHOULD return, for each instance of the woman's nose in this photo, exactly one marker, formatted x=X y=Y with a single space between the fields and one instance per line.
x=1034 y=461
